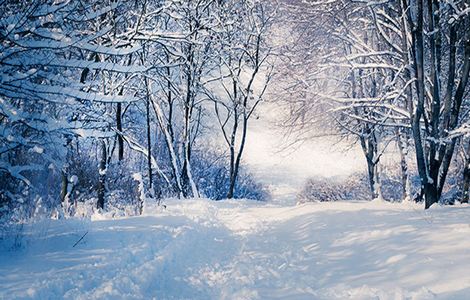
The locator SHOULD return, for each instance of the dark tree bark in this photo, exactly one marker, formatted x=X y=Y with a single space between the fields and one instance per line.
x=435 y=157
x=369 y=147
x=455 y=113
x=185 y=171
x=466 y=176
x=64 y=186
x=427 y=185
x=232 y=142
x=120 y=139
x=64 y=176
x=434 y=41
x=102 y=176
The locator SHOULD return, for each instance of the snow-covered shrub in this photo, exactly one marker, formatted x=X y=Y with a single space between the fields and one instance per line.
x=334 y=189
x=211 y=172
x=82 y=103
x=121 y=188
x=354 y=187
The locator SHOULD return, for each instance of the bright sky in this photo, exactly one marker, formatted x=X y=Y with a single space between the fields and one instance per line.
x=286 y=171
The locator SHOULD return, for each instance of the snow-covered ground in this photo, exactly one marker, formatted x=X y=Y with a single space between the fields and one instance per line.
x=200 y=249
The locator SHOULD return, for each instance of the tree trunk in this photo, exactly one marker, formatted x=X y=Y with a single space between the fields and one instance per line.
x=369 y=147
x=120 y=139
x=149 y=143
x=65 y=194
x=231 y=189
x=64 y=186
x=434 y=46
x=427 y=185
x=233 y=172
x=455 y=112
x=405 y=178
x=102 y=176
x=187 y=180
x=233 y=179
x=466 y=177
x=167 y=131
x=371 y=175
x=378 y=183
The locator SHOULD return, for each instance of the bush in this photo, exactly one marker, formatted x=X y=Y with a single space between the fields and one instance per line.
x=335 y=189
x=211 y=172
x=354 y=187
x=209 y=166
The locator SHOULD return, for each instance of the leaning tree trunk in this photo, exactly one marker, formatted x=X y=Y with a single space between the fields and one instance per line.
x=167 y=130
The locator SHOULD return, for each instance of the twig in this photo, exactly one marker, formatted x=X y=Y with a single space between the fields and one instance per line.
x=80 y=239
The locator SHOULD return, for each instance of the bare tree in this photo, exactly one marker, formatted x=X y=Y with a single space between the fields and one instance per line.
x=243 y=73
x=438 y=109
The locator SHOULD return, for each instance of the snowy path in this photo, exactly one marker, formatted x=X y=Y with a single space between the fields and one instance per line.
x=199 y=249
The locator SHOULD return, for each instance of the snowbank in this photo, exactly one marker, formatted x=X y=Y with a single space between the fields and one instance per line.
x=200 y=249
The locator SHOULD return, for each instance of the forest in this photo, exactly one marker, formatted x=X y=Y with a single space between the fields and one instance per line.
x=121 y=101
x=149 y=111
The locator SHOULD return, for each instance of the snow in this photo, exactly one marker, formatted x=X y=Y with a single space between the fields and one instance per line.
x=74 y=180
x=38 y=149
x=201 y=249
x=284 y=164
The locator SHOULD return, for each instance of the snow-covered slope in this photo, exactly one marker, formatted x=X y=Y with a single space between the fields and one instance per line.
x=199 y=249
